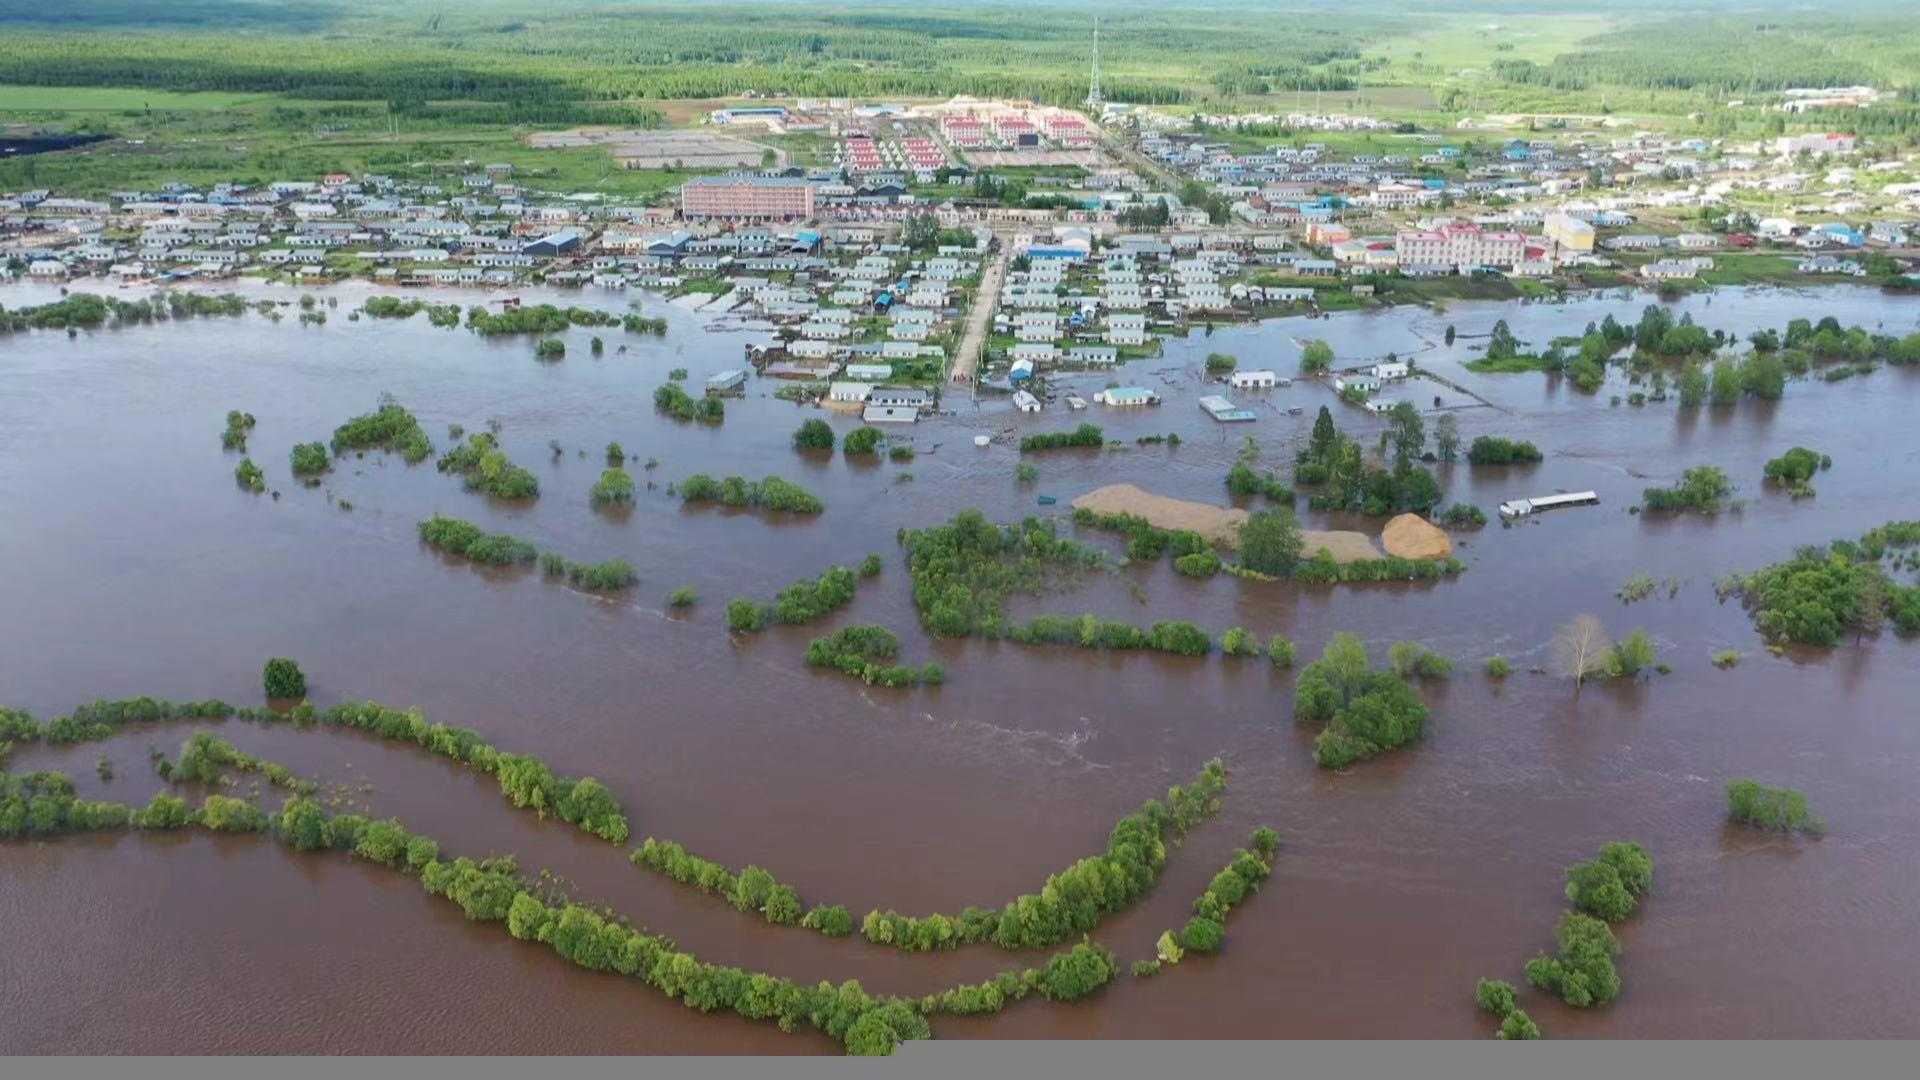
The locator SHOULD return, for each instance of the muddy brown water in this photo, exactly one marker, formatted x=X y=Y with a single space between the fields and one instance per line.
x=133 y=565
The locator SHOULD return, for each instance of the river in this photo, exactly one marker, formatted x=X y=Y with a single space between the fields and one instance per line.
x=135 y=565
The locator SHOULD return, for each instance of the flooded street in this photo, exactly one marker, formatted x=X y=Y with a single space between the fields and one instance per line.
x=135 y=565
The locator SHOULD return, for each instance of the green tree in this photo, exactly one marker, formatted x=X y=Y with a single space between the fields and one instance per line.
x=1446 y=437
x=1270 y=542
x=814 y=435
x=1202 y=935
x=1634 y=653
x=1316 y=357
x=614 y=486
x=283 y=679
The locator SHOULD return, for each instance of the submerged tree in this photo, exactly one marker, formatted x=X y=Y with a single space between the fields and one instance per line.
x=1581 y=648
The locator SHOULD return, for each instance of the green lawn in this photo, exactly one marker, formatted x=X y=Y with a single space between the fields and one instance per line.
x=115 y=99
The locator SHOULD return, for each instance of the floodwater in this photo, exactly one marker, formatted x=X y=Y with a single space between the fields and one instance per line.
x=134 y=565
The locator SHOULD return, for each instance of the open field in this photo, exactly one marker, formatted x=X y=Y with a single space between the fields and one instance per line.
x=115 y=99
x=651 y=149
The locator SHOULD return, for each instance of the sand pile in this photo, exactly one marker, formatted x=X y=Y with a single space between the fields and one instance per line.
x=1220 y=524
x=1411 y=536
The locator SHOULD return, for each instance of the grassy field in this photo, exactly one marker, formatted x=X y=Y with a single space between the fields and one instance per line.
x=15 y=99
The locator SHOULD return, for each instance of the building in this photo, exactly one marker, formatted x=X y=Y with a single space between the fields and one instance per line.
x=1127 y=396
x=1384 y=372
x=889 y=414
x=1570 y=233
x=1253 y=380
x=849 y=391
x=1224 y=410
x=869 y=372
x=1366 y=384
x=1025 y=402
x=1460 y=245
x=746 y=198
x=894 y=397
x=727 y=382
x=562 y=242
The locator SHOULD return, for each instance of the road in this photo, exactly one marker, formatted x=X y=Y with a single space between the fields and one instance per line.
x=973 y=344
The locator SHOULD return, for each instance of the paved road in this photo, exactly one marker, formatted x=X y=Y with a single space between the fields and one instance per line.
x=966 y=362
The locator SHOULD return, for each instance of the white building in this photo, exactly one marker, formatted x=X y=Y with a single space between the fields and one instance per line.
x=1253 y=380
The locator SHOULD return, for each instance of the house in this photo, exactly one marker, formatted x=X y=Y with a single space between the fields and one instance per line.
x=561 y=242
x=1225 y=411
x=1253 y=380
x=869 y=372
x=1127 y=396
x=849 y=391
x=1384 y=372
x=1366 y=384
x=896 y=398
x=727 y=382
x=1094 y=355
x=1025 y=402
x=889 y=414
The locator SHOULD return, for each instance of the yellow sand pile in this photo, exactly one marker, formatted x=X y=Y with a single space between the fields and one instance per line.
x=1411 y=536
x=1219 y=524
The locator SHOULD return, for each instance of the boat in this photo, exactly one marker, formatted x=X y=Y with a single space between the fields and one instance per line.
x=1048 y=500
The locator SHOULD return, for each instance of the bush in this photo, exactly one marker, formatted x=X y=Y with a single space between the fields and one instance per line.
x=249 y=475
x=1243 y=480
x=1495 y=996
x=283 y=679
x=1518 y=1026
x=771 y=493
x=615 y=454
x=814 y=435
x=1462 y=516
x=744 y=615
x=391 y=427
x=1270 y=542
x=1700 y=489
x=1220 y=363
x=1202 y=935
x=1493 y=450
x=596 y=577
x=466 y=539
x=871 y=565
x=1726 y=658
x=1237 y=642
x=1200 y=564
x=1498 y=667
x=487 y=468
x=1083 y=436
x=614 y=486
x=1026 y=472
x=1780 y=809
x=863 y=440
x=681 y=597
x=310 y=459
x=1583 y=973
x=1365 y=712
x=1411 y=659
x=1280 y=651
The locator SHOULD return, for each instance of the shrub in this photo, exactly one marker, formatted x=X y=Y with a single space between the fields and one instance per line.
x=1201 y=935
x=1237 y=642
x=1082 y=436
x=1493 y=450
x=391 y=427
x=615 y=455
x=614 y=486
x=871 y=565
x=814 y=435
x=283 y=679
x=1498 y=667
x=1462 y=516
x=863 y=440
x=1200 y=564
x=1243 y=480
x=1495 y=996
x=1220 y=363
x=1270 y=542
x=900 y=452
x=1726 y=658
x=771 y=493
x=466 y=539
x=1026 y=472
x=681 y=597
x=310 y=459
x=1518 y=1026
x=1583 y=973
x=1280 y=651
x=1365 y=712
x=1781 y=809
x=249 y=475
x=1411 y=659
x=596 y=577
x=745 y=615
x=1700 y=489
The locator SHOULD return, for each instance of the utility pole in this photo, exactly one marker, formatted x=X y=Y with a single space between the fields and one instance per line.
x=1095 y=101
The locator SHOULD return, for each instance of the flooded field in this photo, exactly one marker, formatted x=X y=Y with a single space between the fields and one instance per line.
x=135 y=565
